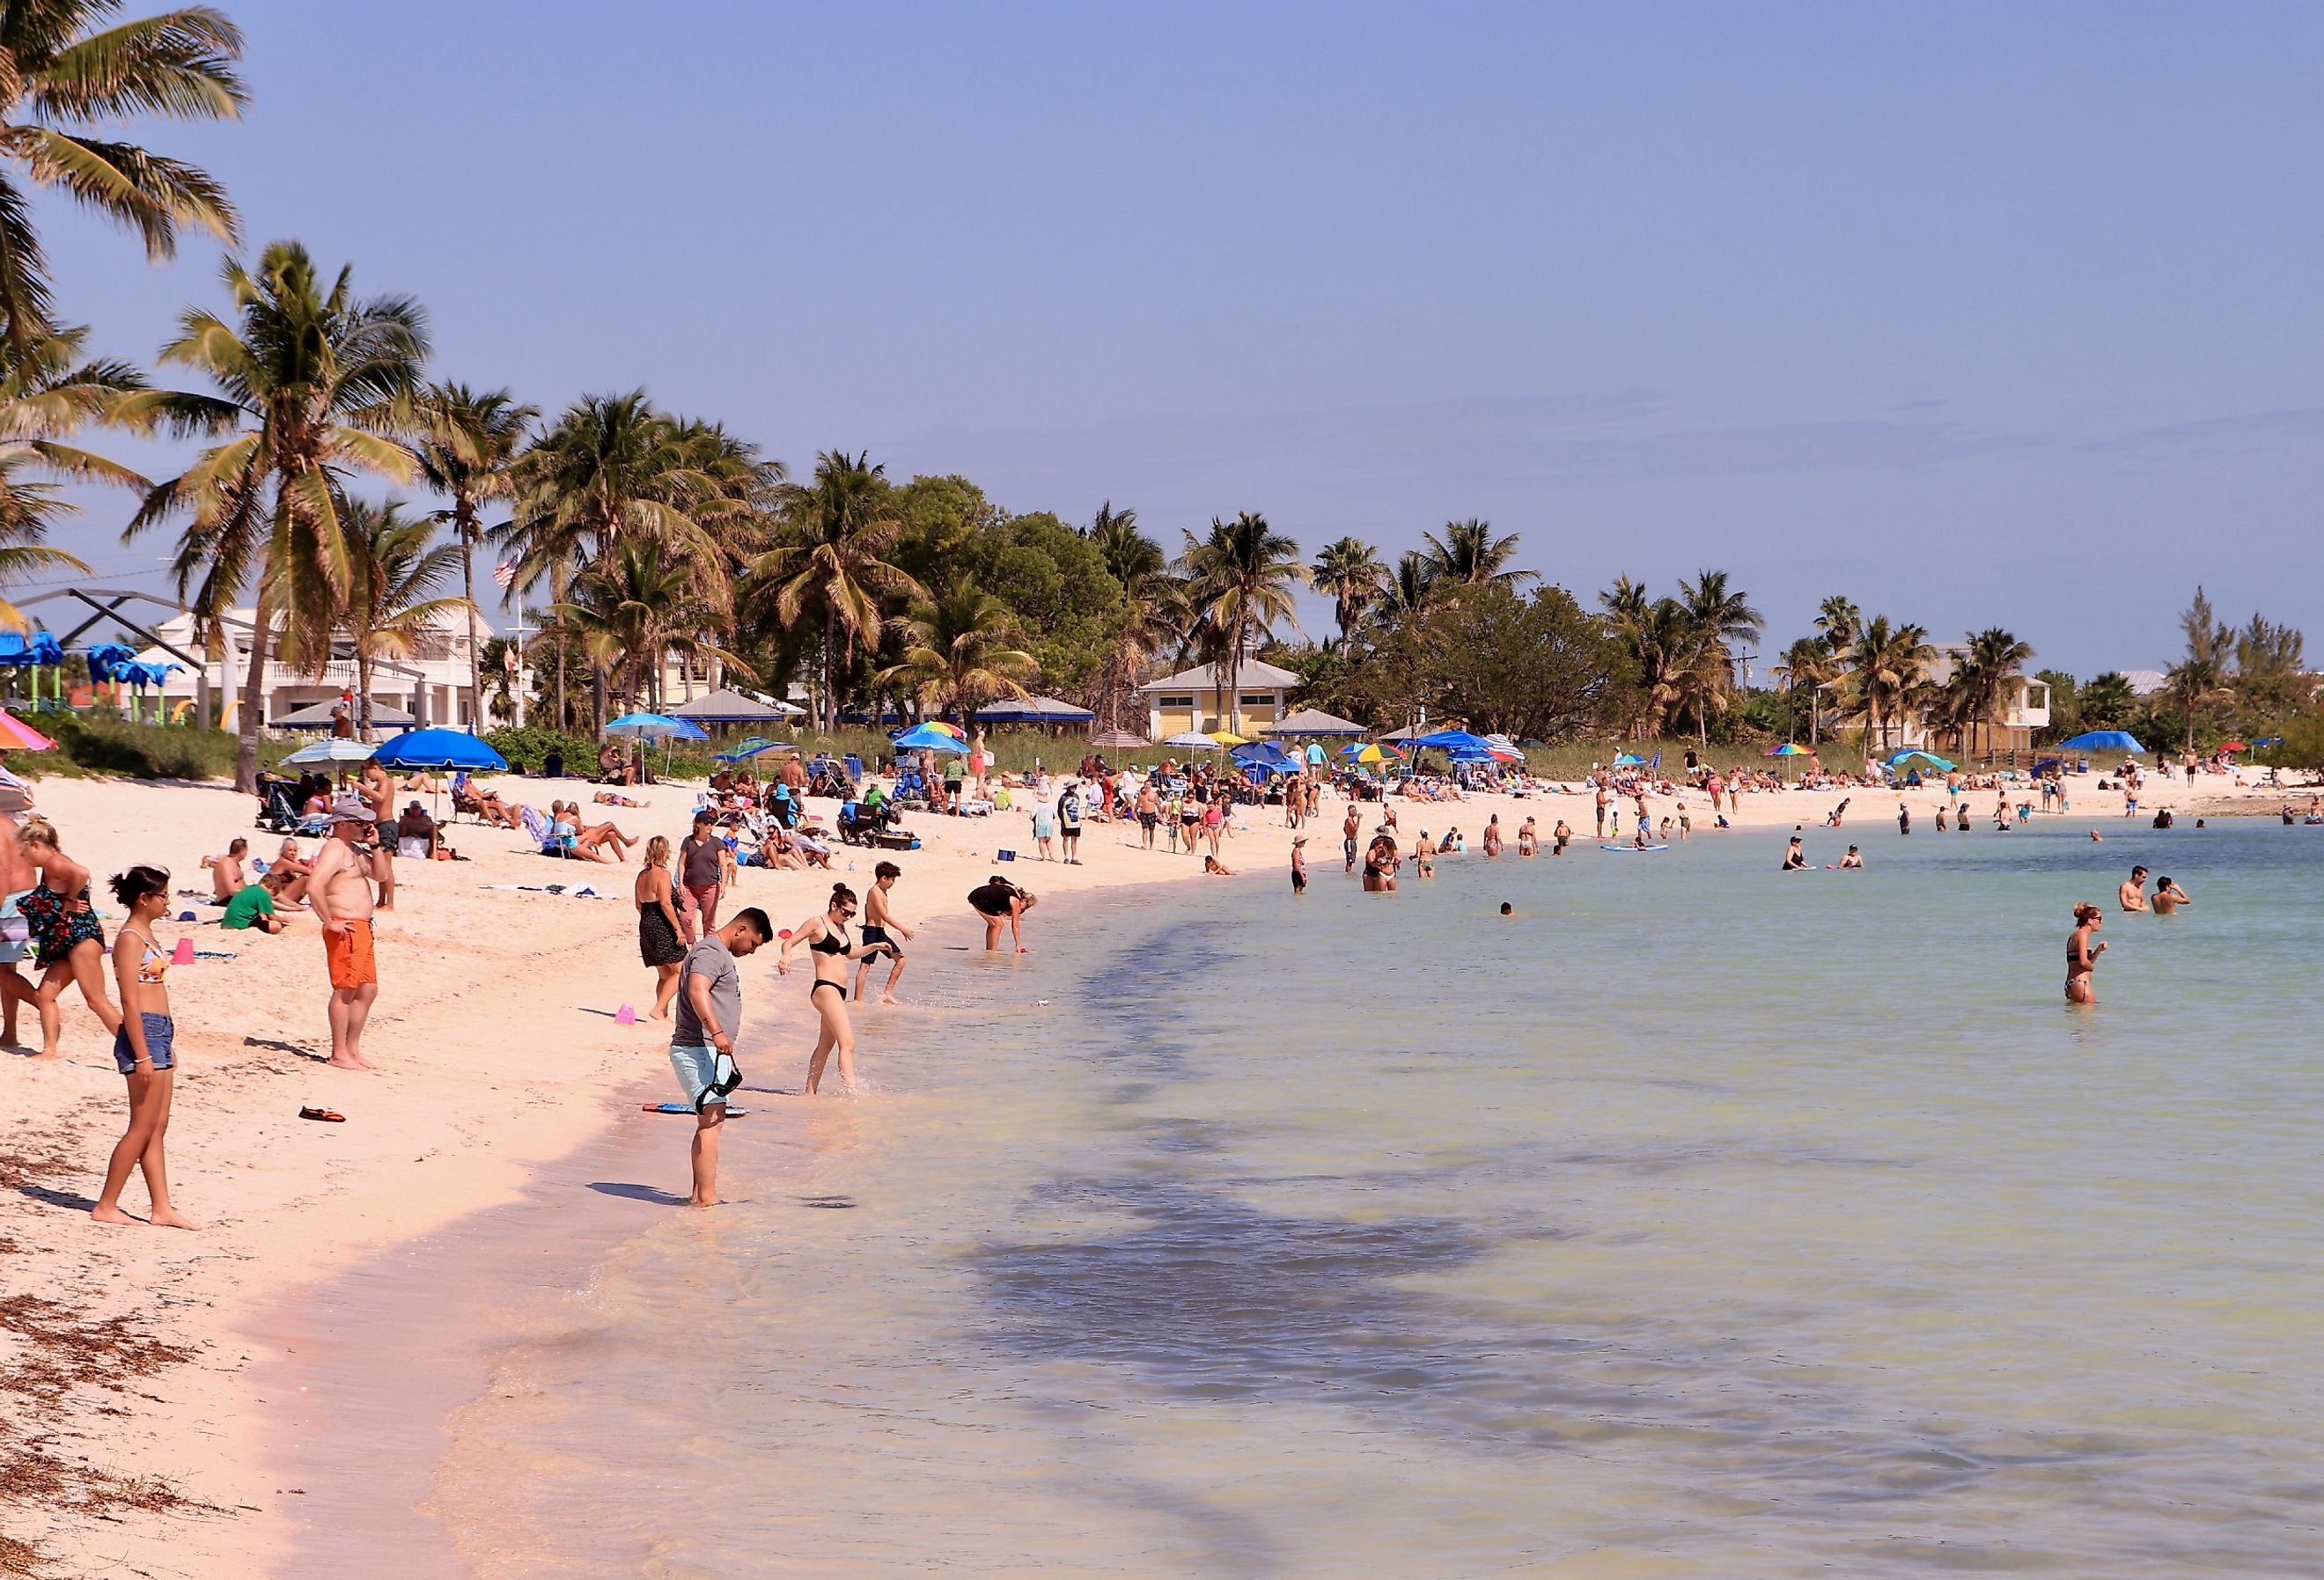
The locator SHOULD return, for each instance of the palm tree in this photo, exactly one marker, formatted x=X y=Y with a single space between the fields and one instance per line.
x=1997 y=660
x=1467 y=555
x=1809 y=665
x=1839 y=622
x=1724 y=618
x=1153 y=612
x=631 y=609
x=1887 y=667
x=955 y=652
x=614 y=470
x=47 y=392
x=830 y=554
x=1348 y=570
x=1410 y=589
x=395 y=600
x=467 y=440
x=2108 y=702
x=62 y=77
x=317 y=376
x=1239 y=580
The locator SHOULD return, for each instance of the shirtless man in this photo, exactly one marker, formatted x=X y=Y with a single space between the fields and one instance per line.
x=379 y=792
x=1349 y=833
x=2169 y=896
x=2133 y=892
x=1603 y=797
x=226 y=879
x=340 y=898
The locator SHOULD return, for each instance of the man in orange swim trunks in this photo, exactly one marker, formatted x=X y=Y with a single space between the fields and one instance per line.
x=340 y=896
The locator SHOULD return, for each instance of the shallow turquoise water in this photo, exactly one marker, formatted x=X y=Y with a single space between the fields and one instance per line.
x=1701 y=1221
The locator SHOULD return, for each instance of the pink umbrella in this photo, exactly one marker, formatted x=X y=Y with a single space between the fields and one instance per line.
x=16 y=736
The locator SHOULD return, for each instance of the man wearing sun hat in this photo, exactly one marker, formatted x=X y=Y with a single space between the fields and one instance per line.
x=340 y=894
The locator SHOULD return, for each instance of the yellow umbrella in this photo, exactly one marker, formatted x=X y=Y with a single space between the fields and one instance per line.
x=1229 y=738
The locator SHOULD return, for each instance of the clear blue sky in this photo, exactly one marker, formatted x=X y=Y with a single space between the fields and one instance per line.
x=1979 y=313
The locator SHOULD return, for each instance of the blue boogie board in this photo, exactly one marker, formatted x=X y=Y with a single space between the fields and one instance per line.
x=1632 y=849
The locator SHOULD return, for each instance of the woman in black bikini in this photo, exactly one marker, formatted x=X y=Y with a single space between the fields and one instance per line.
x=2083 y=955
x=826 y=936
x=71 y=940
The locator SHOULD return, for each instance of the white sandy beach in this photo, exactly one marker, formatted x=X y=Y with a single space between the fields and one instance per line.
x=498 y=1051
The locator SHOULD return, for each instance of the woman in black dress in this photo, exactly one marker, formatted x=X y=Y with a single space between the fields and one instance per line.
x=658 y=941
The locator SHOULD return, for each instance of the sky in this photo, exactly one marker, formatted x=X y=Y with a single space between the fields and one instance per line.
x=1979 y=314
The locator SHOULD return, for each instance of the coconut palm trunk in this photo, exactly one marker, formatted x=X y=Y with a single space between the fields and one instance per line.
x=476 y=657
x=254 y=706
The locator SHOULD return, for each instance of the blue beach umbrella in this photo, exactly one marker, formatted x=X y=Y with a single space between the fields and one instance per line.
x=929 y=738
x=1629 y=760
x=657 y=727
x=1930 y=758
x=2103 y=740
x=440 y=749
x=1455 y=741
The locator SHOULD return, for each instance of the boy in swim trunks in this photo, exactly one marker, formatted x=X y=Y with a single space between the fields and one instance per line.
x=341 y=898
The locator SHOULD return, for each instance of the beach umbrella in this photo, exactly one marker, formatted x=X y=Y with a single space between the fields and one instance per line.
x=1264 y=755
x=440 y=749
x=2235 y=745
x=1455 y=740
x=1788 y=749
x=1118 y=740
x=1313 y=721
x=929 y=737
x=2269 y=741
x=750 y=747
x=1229 y=738
x=1369 y=752
x=16 y=736
x=1629 y=760
x=729 y=706
x=1930 y=758
x=657 y=727
x=1192 y=740
x=330 y=751
x=2103 y=740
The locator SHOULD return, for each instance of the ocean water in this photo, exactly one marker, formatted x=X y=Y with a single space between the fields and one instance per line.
x=1699 y=1221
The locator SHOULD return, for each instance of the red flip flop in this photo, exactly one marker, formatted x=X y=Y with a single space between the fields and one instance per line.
x=328 y=1116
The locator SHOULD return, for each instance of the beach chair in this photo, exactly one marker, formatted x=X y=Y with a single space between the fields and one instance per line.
x=537 y=829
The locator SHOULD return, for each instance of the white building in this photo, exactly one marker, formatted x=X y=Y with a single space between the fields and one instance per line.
x=432 y=685
x=2024 y=711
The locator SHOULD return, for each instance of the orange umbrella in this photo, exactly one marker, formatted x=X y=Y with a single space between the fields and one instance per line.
x=16 y=736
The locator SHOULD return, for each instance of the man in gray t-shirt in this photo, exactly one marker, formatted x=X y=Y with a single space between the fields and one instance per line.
x=702 y=1038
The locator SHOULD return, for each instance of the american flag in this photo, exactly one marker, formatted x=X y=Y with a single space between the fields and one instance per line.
x=505 y=575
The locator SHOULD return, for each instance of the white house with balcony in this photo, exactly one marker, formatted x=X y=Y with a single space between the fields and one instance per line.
x=432 y=685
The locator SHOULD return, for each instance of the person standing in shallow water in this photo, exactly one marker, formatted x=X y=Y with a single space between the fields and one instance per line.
x=2082 y=952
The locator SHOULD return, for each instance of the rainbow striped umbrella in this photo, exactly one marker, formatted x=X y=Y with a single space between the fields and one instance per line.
x=1788 y=749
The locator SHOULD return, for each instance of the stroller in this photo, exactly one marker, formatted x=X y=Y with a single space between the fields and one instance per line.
x=277 y=814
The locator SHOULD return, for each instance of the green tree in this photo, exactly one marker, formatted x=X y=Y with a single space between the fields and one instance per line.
x=2203 y=678
x=2108 y=702
x=1239 y=580
x=1995 y=660
x=956 y=653
x=1154 y=613
x=395 y=598
x=831 y=558
x=1537 y=667
x=2065 y=704
x=1349 y=571
x=2271 y=666
x=62 y=77
x=632 y=608
x=467 y=441
x=311 y=381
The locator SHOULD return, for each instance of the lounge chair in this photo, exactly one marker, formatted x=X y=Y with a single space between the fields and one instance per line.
x=536 y=828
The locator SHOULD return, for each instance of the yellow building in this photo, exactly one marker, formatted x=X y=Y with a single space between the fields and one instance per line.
x=1196 y=700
